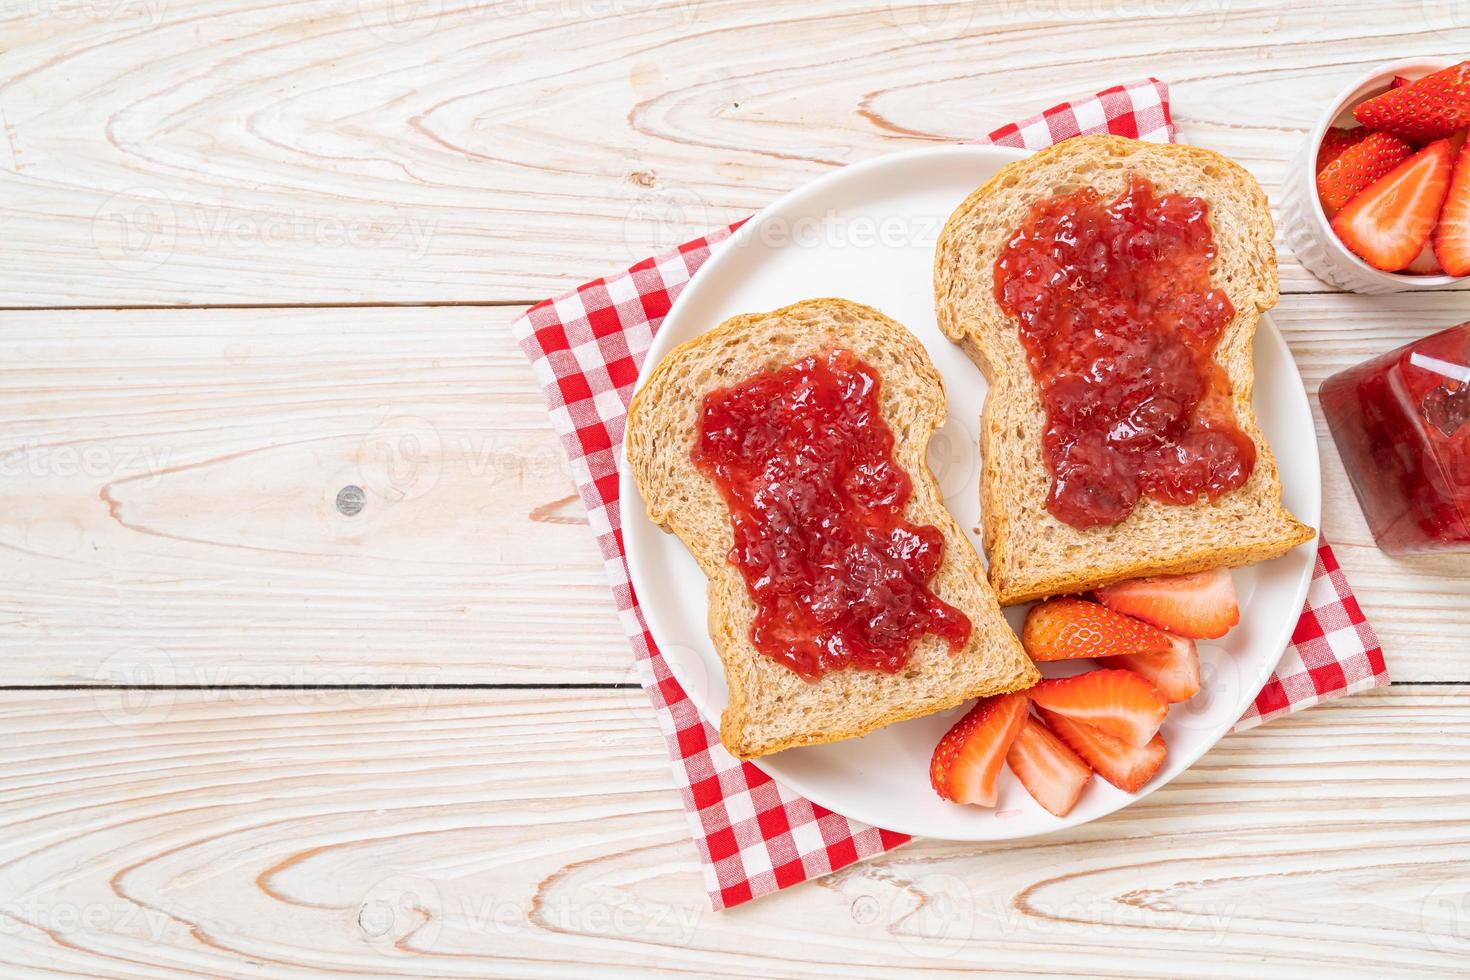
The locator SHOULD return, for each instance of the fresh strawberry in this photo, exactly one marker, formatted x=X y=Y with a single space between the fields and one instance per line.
x=1388 y=223
x=1357 y=166
x=1426 y=264
x=1201 y=606
x=1074 y=629
x=1336 y=140
x=968 y=758
x=1175 y=674
x=1428 y=109
x=1126 y=766
x=1452 y=235
x=1051 y=772
x=1123 y=704
x=1399 y=81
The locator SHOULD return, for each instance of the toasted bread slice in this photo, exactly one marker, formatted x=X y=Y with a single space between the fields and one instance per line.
x=1033 y=554
x=771 y=707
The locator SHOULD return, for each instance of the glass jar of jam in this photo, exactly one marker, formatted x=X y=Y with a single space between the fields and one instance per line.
x=1401 y=422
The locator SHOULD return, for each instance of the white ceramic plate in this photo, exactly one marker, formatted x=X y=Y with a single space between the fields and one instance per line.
x=867 y=233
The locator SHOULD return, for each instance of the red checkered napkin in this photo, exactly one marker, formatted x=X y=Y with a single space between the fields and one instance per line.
x=754 y=836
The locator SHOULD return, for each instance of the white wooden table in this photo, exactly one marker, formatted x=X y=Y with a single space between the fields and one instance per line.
x=257 y=253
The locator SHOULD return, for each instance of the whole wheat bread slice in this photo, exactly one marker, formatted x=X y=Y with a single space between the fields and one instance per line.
x=1032 y=554
x=771 y=707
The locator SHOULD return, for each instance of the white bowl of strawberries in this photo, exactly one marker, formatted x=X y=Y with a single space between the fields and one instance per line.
x=1379 y=197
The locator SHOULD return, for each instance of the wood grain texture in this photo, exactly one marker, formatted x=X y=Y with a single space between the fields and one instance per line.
x=536 y=834
x=169 y=484
x=220 y=151
x=169 y=480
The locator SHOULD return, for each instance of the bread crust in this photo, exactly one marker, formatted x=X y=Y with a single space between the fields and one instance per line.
x=770 y=707
x=1032 y=554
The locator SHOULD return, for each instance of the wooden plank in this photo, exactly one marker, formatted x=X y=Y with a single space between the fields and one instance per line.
x=170 y=483
x=537 y=834
x=455 y=151
x=170 y=497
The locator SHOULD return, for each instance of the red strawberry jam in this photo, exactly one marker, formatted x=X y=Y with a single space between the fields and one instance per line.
x=1402 y=424
x=805 y=462
x=1119 y=323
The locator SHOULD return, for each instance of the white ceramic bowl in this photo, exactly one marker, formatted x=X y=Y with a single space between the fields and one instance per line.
x=1305 y=225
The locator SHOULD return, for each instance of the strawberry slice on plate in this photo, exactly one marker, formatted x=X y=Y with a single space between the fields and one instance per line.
x=1052 y=773
x=1175 y=674
x=1074 y=629
x=1355 y=167
x=1399 y=81
x=1119 y=702
x=1388 y=223
x=1201 y=605
x=1427 y=109
x=1336 y=140
x=1127 y=767
x=1452 y=234
x=967 y=760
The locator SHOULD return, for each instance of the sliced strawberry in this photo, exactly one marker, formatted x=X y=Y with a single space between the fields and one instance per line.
x=1426 y=264
x=1051 y=772
x=1123 y=704
x=1389 y=222
x=1073 y=629
x=1127 y=767
x=1452 y=234
x=1428 y=109
x=1357 y=166
x=1399 y=81
x=1175 y=674
x=968 y=758
x=1336 y=140
x=1201 y=606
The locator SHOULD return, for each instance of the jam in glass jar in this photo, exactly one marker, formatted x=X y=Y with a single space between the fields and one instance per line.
x=1402 y=425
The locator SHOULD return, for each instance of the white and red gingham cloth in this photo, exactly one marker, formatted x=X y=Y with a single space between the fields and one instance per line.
x=754 y=836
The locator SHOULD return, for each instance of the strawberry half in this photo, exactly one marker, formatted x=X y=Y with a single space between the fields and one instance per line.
x=1073 y=629
x=1123 y=704
x=1357 y=166
x=1336 y=140
x=1389 y=222
x=1428 y=109
x=1201 y=606
x=967 y=760
x=1426 y=263
x=1052 y=773
x=1175 y=674
x=1127 y=767
x=1452 y=235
